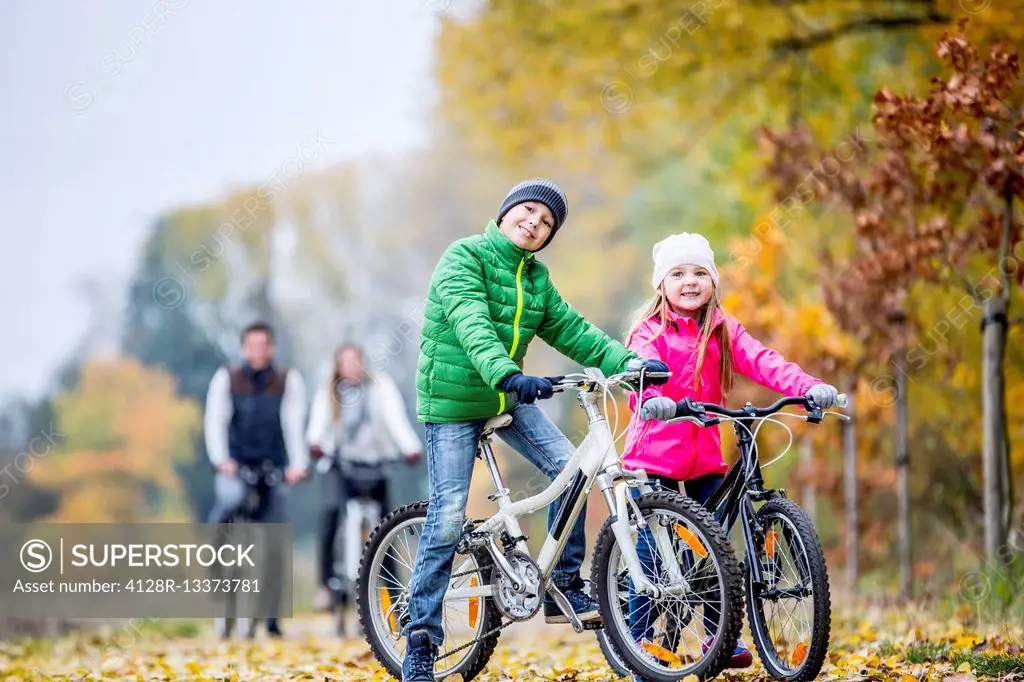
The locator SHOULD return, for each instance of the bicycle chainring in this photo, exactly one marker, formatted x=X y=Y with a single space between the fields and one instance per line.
x=524 y=603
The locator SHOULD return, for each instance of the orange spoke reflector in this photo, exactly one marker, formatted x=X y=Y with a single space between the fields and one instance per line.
x=385 y=606
x=769 y=543
x=800 y=653
x=662 y=654
x=474 y=602
x=690 y=539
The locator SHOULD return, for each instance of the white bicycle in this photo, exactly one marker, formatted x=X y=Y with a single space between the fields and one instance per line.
x=689 y=576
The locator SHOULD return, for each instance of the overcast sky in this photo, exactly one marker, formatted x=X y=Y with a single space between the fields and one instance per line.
x=117 y=111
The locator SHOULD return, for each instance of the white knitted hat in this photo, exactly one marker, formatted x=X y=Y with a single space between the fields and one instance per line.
x=685 y=248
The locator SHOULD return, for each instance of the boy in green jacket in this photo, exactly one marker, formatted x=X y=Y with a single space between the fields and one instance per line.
x=489 y=297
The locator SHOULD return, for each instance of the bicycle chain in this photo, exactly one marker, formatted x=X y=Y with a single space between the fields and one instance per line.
x=478 y=639
x=480 y=570
x=587 y=625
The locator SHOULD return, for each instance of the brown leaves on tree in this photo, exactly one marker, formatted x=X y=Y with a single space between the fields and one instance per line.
x=930 y=198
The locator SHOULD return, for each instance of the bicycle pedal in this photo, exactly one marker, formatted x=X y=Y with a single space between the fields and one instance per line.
x=593 y=624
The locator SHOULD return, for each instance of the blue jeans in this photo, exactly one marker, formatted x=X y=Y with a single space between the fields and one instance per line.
x=642 y=613
x=451 y=450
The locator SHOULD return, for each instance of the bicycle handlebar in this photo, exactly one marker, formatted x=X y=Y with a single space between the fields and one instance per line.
x=632 y=376
x=694 y=409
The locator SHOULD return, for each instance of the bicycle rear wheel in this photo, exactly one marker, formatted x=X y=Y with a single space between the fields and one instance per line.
x=385 y=573
x=790 y=610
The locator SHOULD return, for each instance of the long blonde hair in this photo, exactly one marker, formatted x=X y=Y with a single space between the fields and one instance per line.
x=658 y=305
x=335 y=380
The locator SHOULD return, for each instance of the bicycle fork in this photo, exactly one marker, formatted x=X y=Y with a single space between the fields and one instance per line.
x=618 y=508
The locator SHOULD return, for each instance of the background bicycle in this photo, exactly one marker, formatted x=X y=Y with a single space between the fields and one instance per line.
x=260 y=482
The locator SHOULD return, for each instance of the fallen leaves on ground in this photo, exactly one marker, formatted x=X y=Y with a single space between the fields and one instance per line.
x=877 y=645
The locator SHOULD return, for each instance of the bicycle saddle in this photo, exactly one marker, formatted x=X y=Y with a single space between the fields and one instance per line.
x=501 y=421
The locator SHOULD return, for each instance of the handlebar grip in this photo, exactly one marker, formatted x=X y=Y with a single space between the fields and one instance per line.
x=842 y=400
x=555 y=380
x=683 y=408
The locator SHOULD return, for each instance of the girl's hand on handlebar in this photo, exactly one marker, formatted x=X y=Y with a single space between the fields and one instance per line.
x=658 y=407
x=823 y=395
x=412 y=458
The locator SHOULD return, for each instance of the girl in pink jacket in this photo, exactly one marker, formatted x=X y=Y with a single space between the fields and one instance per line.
x=685 y=327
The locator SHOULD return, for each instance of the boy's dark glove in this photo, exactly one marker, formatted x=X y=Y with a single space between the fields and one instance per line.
x=655 y=366
x=527 y=388
x=646 y=368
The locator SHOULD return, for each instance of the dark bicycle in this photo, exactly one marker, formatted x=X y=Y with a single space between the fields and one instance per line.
x=787 y=590
x=260 y=481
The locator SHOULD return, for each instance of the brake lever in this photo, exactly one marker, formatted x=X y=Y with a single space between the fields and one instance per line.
x=699 y=421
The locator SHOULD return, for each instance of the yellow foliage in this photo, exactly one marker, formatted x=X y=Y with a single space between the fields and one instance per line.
x=534 y=653
x=126 y=429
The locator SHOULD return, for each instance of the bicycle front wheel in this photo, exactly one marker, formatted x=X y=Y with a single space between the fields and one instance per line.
x=790 y=609
x=692 y=627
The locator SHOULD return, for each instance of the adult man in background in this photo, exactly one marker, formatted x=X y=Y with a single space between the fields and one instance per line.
x=255 y=417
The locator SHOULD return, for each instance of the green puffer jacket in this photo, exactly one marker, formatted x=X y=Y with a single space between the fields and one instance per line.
x=488 y=299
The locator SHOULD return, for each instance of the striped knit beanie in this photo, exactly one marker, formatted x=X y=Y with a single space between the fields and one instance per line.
x=544 y=191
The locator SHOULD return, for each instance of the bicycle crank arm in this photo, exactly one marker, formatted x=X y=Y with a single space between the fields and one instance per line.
x=566 y=607
x=502 y=563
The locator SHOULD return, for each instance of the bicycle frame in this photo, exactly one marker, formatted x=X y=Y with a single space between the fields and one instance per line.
x=735 y=496
x=595 y=461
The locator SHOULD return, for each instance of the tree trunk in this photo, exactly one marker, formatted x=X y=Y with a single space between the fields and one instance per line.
x=998 y=481
x=850 y=484
x=994 y=448
x=903 y=473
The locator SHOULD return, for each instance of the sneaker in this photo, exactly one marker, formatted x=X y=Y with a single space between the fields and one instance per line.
x=583 y=606
x=273 y=629
x=741 y=656
x=420 y=655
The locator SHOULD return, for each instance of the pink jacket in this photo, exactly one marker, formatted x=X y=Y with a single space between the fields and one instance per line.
x=683 y=450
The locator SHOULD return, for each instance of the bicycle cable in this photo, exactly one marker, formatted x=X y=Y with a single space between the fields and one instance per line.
x=757 y=430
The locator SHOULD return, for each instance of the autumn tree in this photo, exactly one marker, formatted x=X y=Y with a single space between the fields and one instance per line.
x=125 y=429
x=650 y=81
x=936 y=204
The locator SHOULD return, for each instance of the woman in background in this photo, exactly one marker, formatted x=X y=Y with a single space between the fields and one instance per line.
x=358 y=422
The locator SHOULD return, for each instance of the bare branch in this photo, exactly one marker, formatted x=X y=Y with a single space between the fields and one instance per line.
x=867 y=25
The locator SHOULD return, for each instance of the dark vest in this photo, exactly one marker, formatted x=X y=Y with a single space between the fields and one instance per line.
x=255 y=433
